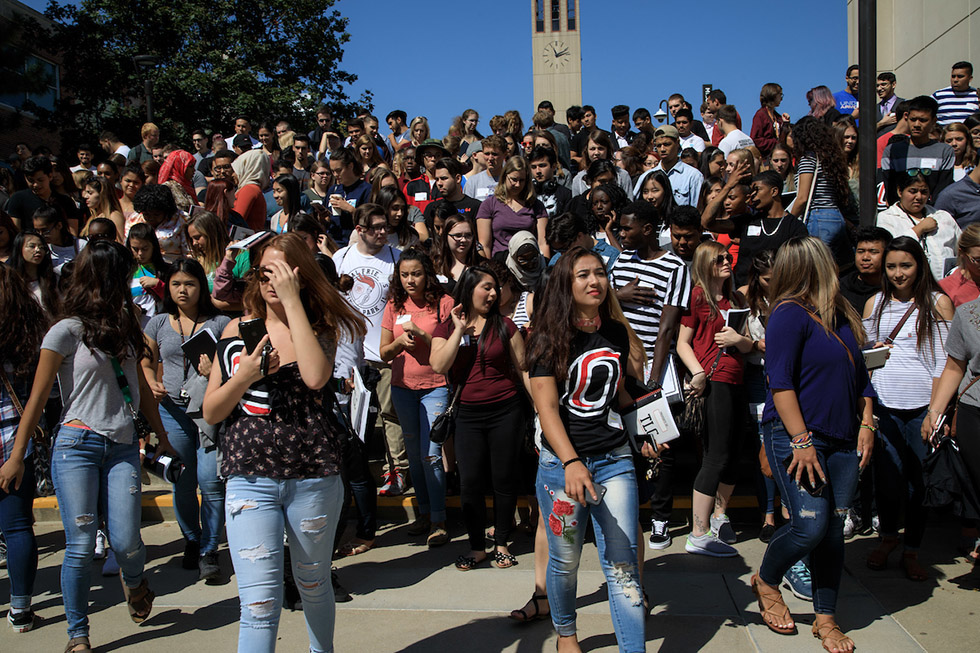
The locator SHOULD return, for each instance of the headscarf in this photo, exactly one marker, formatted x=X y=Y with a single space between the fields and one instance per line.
x=253 y=167
x=528 y=279
x=175 y=168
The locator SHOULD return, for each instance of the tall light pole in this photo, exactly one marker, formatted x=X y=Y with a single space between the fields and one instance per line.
x=145 y=63
x=868 y=107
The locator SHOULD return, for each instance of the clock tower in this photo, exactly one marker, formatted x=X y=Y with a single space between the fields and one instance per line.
x=557 y=53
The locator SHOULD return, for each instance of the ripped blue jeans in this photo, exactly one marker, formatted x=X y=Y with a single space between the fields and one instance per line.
x=258 y=511
x=816 y=524
x=95 y=476
x=417 y=410
x=616 y=523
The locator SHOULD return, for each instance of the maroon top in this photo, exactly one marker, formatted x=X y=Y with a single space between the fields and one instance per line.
x=705 y=327
x=763 y=132
x=492 y=376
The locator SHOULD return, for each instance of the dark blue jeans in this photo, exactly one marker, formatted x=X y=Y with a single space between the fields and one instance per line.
x=17 y=526
x=755 y=386
x=899 y=451
x=816 y=524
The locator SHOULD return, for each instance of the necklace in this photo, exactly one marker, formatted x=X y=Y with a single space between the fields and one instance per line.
x=587 y=322
x=762 y=225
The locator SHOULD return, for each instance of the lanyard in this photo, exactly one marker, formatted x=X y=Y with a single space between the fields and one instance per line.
x=182 y=341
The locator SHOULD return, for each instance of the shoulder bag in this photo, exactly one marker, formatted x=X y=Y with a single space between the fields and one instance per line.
x=143 y=430
x=694 y=405
x=42 y=446
x=444 y=426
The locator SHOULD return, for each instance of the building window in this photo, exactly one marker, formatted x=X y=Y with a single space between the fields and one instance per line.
x=555 y=15
x=571 y=15
x=42 y=78
x=539 y=16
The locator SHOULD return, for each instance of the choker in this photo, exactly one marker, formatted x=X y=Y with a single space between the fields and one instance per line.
x=585 y=323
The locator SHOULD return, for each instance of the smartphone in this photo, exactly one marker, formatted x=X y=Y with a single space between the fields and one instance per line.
x=252 y=332
x=600 y=491
x=811 y=489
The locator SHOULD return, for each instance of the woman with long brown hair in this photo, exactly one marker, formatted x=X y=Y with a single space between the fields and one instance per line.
x=220 y=200
x=209 y=240
x=282 y=461
x=100 y=200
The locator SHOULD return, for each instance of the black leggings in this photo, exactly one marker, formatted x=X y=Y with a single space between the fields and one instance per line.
x=489 y=435
x=725 y=407
x=967 y=427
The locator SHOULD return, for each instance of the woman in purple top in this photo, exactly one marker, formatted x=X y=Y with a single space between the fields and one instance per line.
x=818 y=430
x=512 y=208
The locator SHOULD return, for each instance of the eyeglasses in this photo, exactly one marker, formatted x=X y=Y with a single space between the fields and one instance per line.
x=974 y=259
x=381 y=226
x=925 y=172
x=199 y=140
x=721 y=259
x=45 y=232
x=260 y=273
x=322 y=173
x=459 y=237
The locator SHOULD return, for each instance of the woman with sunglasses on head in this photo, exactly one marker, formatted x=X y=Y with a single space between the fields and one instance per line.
x=818 y=430
x=188 y=311
x=578 y=358
x=281 y=450
x=712 y=352
x=94 y=352
x=911 y=316
x=484 y=351
x=936 y=230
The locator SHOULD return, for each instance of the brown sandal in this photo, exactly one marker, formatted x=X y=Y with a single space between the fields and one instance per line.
x=878 y=559
x=78 y=645
x=773 y=608
x=913 y=570
x=139 y=600
x=826 y=631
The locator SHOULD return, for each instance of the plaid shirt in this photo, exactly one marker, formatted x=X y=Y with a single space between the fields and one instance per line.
x=9 y=417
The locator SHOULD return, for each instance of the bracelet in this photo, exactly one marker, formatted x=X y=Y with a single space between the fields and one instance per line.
x=802 y=441
x=869 y=427
x=696 y=373
x=801 y=433
x=568 y=462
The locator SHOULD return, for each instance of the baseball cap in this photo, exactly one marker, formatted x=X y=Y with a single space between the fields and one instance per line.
x=667 y=130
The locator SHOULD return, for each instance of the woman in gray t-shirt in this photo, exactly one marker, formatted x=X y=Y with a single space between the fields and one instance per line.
x=958 y=382
x=93 y=353
x=188 y=312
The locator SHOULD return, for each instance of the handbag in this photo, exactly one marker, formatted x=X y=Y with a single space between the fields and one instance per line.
x=444 y=426
x=42 y=446
x=693 y=417
x=947 y=481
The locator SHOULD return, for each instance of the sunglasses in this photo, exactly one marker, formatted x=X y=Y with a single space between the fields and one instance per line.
x=925 y=172
x=262 y=274
x=721 y=259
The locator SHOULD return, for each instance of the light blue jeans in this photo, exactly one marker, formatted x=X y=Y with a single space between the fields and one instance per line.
x=829 y=226
x=616 y=523
x=95 y=476
x=417 y=410
x=258 y=512
x=198 y=523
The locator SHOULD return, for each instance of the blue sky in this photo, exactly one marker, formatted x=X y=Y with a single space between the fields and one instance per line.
x=439 y=57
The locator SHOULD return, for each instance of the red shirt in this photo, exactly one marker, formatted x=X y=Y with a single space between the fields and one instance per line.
x=960 y=289
x=491 y=376
x=250 y=204
x=729 y=369
x=411 y=369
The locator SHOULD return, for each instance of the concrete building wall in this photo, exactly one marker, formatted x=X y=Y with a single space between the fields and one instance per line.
x=919 y=40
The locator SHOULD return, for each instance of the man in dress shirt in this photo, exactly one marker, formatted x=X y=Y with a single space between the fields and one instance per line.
x=887 y=101
x=685 y=180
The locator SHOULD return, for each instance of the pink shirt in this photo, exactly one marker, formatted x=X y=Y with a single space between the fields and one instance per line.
x=411 y=369
x=960 y=289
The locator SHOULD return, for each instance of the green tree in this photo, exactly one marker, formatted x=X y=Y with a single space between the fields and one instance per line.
x=267 y=59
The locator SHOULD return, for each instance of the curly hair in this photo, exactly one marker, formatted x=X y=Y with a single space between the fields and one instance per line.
x=24 y=324
x=99 y=296
x=397 y=294
x=812 y=136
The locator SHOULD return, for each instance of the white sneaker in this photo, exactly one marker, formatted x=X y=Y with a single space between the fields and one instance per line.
x=723 y=527
x=852 y=524
x=101 y=543
x=659 y=535
x=709 y=545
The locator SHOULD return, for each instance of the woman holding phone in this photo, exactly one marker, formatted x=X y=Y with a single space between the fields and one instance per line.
x=581 y=343
x=281 y=450
x=818 y=430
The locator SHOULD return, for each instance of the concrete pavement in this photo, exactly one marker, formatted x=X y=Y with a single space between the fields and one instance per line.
x=409 y=598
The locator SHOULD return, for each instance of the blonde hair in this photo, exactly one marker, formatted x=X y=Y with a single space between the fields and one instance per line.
x=703 y=272
x=286 y=140
x=147 y=128
x=516 y=164
x=418 y=120
x=805 y=273
x=745 y=154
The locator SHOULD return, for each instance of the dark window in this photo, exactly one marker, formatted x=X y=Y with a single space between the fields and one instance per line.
x=571 y=15
x=41 y=78
x=555 y=15
x=539 y=16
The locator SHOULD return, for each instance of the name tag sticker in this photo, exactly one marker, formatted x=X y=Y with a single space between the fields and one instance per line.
x=614 y=420
x=928 y=163
x=421 y=197
x=753 y=230
x=402 y=319
x=482 y=192
x=352 y=201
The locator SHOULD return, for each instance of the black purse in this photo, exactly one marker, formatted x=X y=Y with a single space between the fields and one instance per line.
x=693 y=418
x=444 y=426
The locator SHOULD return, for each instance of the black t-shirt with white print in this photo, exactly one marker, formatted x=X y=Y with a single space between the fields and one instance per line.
x=587 y=398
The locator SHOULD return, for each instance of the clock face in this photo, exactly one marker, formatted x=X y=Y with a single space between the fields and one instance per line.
x=556 y=55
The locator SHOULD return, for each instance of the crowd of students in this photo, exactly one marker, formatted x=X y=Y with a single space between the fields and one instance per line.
x=515 y=292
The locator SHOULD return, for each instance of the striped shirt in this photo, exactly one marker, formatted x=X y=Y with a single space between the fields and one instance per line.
x=905 y=382
x=824 y=196
x=956 y=106
x=668 y=275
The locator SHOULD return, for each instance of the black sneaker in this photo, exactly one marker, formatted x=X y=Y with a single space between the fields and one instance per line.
x=21 y=622
x=192 y=551
x=340 y=595
x=768 y=530
x=208 y=567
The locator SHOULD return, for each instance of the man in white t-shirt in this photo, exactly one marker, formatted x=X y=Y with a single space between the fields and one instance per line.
x=115 y=148
x=684 y=121
x=735 y=138
x=85 y=158
x=370 y=262
x=482 y=185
